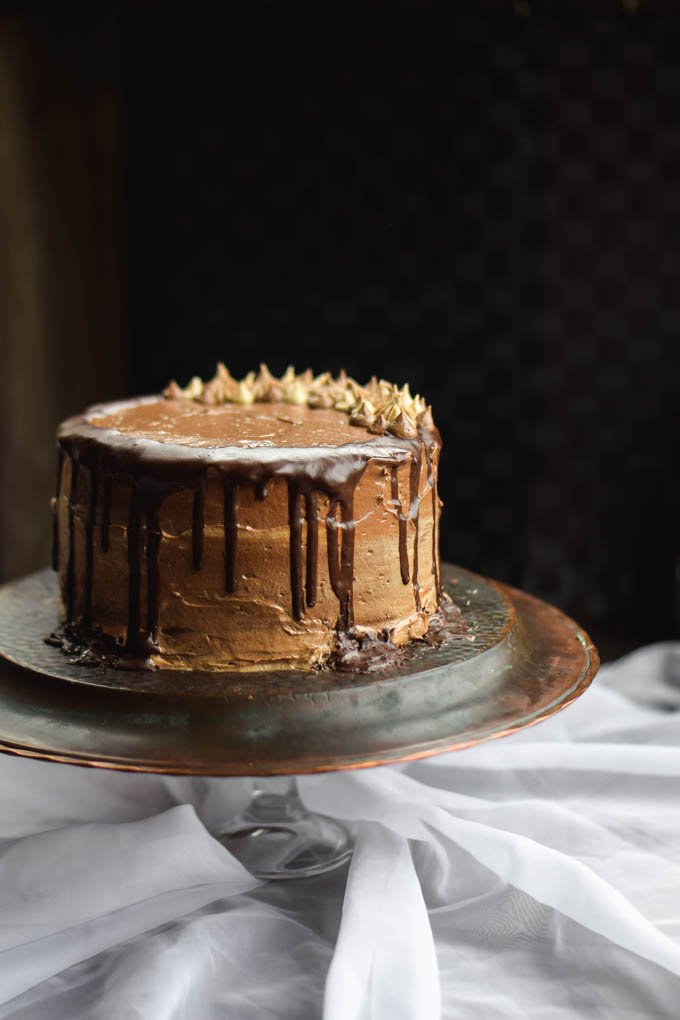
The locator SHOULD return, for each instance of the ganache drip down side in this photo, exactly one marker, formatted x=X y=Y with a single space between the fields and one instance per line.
x=153 y=475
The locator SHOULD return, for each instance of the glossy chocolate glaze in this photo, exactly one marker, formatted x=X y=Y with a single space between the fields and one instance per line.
x=231 y=532
x=112 y=443
x=70 y=570
x=55 y=520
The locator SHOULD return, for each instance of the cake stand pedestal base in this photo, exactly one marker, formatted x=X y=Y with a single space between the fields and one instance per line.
x=276 y=837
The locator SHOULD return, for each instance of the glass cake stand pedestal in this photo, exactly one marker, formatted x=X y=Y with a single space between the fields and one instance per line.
x=515 y=662
x=276 y=837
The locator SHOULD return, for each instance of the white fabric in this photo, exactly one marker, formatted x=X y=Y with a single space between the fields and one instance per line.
x=533 y=877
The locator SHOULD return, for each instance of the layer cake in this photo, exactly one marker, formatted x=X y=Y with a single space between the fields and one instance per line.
x=267 y=523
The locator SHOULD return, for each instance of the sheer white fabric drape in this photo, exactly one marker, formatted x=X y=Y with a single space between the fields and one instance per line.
x=537 y=876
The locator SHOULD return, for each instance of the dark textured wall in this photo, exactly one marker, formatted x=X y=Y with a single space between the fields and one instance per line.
x=62 y=334
x=486 y=207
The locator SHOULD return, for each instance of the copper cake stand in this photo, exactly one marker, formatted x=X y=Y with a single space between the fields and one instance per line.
x=518 y=662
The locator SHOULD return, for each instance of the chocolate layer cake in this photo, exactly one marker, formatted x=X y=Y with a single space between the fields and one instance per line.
x=256 y=524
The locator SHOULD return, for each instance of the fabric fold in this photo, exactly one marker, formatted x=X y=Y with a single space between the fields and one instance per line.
x=550 y=877
x=384 y=964
x=70 y=893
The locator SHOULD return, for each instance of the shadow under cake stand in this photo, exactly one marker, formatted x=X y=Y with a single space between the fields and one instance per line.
x=518 y=662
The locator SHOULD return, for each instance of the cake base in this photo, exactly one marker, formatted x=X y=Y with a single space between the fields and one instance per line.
x=518 y=663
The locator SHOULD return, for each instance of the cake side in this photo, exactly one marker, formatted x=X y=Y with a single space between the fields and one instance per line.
x=241 y=535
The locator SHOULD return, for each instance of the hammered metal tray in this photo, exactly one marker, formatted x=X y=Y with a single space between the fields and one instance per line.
x=518 y=662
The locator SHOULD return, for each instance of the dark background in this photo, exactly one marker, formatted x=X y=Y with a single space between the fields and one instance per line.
x=486 y=206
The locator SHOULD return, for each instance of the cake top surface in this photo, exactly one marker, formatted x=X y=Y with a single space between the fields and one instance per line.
x=261 y=410
x=245 y=426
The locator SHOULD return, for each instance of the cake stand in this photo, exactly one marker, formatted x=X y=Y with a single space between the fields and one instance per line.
x=517 y=662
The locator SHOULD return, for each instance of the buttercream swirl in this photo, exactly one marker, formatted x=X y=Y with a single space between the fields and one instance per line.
x=379 y=406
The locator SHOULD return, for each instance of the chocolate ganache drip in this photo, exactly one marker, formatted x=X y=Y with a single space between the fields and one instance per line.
x=89 y=532
x=403 y=525
x=312 y=565
x=231 y=532
x=295 y=522
x=106 y=515
x=153 y=470
x=71 y=567
x=414 y=514
x=55 y=519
